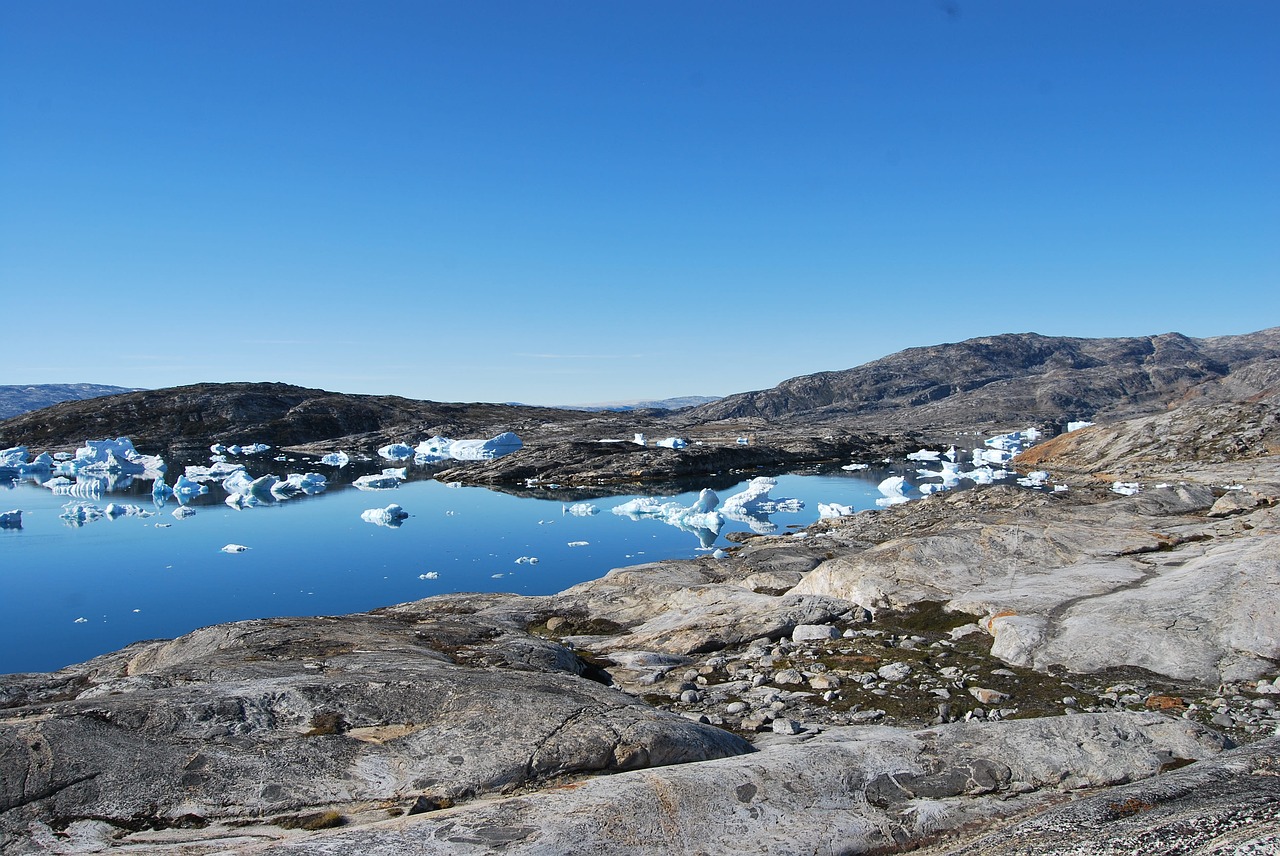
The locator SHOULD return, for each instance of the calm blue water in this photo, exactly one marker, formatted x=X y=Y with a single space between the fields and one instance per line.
x=133 y=578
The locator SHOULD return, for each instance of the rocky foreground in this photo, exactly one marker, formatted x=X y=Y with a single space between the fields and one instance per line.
x=989 y=671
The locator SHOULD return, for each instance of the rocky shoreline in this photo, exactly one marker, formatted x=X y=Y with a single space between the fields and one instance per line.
x=907 y=678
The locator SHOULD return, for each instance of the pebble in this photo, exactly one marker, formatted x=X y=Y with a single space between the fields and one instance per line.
x=894 y=671
x=736 y=707
x=782 y=725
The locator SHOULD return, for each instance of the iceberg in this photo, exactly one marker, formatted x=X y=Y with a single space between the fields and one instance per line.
x=116 y=456
x=387 y=479
x=855 y=467
x=182 y=512
x=753 y=505
x=219 y=471
x=160 y=492
x=894 y=490
x=13 y=457
x=185 y=487
x=924 y=455
x=580 y=509
x=396 y=452
x=391 y=516
x=234 y=548
x=672 y=443
x=1039 y=478
x=828 y=510
x=11 y=519
x=442 y=448
x=700 y=518
x=1126 y=488
x=336 y=459
x=80 y=513
x=1076 y=426
x=297 y=483
x=114 y=510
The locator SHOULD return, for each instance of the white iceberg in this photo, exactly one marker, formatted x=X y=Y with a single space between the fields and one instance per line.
x=1076 y=426
x=855 y=467
x=114 y=510
x=298 y=483
x=833 y=509
x=579 y=544
x=396 y=452
x=700 y=518
x=336 y=459
x=234 y=548
x=80 y=513
x=1039 y=478
x=894 y=490
x=580 y=509
x=115 y=456
x=219 y=471
x=672 y=443
x=11 y=519
x=527 y=560
x=160 y=492
x=924 y=455
x=391 y=516
x=753 y=505
x=385 y=480
x=1126 y=488
x=485 y=450
x=13 y=457
x=429 y=575
x=182 y=512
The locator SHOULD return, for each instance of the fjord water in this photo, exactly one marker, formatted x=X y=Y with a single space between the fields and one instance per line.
x=69 y=593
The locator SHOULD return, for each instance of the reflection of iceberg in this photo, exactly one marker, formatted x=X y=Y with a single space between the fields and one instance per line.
x=753 y=505
x=580 y=509
x=700 y=519
x=442 y=448
x=114 y=510
x=391 y=516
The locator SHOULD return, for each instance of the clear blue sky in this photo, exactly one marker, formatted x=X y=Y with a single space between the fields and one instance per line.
x=556 y=202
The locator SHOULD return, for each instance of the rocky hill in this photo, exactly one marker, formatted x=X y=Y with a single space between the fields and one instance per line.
x=1017 y=378
x=15 y=400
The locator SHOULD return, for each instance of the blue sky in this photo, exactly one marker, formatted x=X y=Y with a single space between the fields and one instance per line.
x=556 y=202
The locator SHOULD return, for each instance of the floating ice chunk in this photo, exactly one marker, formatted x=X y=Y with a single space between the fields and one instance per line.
x=118 y=456
x=11 y=519
x=699 y=519
x=81 y=620
x=234 y=548
x=672 y=443
x=396 y=452
x=743 y=441
x=80 y=513
x=527 y=560
x=43 y=463
x=254 y=449
x=1059 y=488
x=981 y=457
x=579 y=543
x=754 y=500
x=924 y=455
x=114 y=510
x=854 y=467
x=219 y=471
x=182 y=512
x=932 y=488
x=13 y=457
x=828 y=510
x=57 y=482
x=434 y=449
x=336 y=459
x=218 y=449
x=186 y=488
x=485 y=450
x=894 y=490
x=386 y=480
x=296 y=483
x=1126 y=488
x=160 y=492
x=429 y=575
x=453 y=485
x=1039 y=478
x=391 y=516
x=950 y=454
x=1076 y=426
x=580 y=509
x=706 y=502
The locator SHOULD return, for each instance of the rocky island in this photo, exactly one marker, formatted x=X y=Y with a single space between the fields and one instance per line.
x=993 y=670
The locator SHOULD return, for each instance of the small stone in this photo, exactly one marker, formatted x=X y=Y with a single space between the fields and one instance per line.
x=867 y=716
x=1264 y=704
x=1222 y=720
x=690 y=697
x=555 y=623
x=894 y=671
x=1070 y=701
x=824 y=682
x=814 y=633
x=986 y=696
x=736 y=707
x=788 y=676
x=782 y=725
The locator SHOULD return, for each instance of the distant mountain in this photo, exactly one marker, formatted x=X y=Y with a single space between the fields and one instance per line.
x=15 y=400
x=677 y=403
x=1018 y=377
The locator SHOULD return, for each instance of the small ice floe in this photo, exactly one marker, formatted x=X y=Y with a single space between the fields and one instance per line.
x=234 y=548
x=743 y=441
x=385 y=480
x=396 y=452
x=579 y=543
x=894 y=491
x=114 y=510
x=336 y=459
x=162 y=525
x=833 y=509
x=391 y=516
x=81 y=620
x=580 y=509
x=80 y=513
x=185 y=488
x=429 y=575
x=853 y=468
x=700 y=519
x=11 y=519
x=218 y=471
x=453 y=485
x=527 y=560
x=497 y=576
x=1126 y=488
x=182 y=512
x=160 y=492
x=672 y=443
x=924 y=455
x=296 y=484
x=1059 y=488
x=1039 y=478
x=254 y=449
x=442 y=448
x=218 y=449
